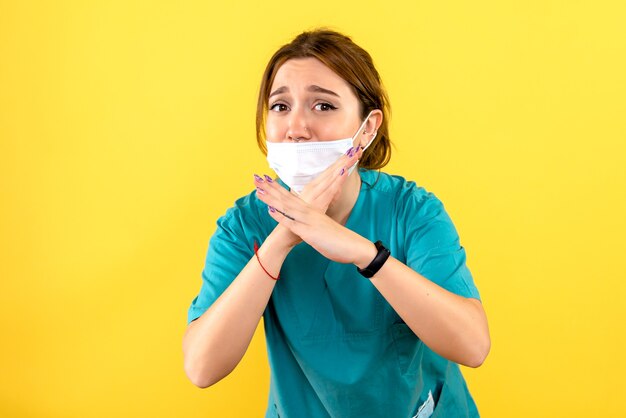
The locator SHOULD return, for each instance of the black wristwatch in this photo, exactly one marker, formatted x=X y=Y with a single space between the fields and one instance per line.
x=377 y=262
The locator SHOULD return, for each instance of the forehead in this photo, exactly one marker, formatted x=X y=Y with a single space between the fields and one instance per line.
x=303 y=72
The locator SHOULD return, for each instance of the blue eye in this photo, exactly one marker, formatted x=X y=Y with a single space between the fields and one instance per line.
x=278 y=107
x=324 y=107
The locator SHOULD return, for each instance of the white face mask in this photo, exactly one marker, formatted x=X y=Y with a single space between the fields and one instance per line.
x=299 y=163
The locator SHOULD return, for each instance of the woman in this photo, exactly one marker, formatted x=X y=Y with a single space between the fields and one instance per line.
x=367 y=303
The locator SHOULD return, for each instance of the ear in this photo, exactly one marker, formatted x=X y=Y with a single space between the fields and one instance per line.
x=370 y=129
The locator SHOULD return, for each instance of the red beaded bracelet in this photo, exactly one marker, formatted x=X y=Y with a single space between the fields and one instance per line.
x=256 y=249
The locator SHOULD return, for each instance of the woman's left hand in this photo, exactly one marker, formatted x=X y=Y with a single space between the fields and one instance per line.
x=329 y=238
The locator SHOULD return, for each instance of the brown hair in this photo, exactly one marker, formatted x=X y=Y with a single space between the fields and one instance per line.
x=350 y=62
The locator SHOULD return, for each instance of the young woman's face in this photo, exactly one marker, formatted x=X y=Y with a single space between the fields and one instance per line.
x=309 y=102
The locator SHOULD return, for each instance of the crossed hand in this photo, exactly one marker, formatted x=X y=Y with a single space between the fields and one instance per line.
x=304 y=215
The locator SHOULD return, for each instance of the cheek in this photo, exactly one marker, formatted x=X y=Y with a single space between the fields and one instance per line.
x=273 y=130
x=329 y=133
x=339 y=130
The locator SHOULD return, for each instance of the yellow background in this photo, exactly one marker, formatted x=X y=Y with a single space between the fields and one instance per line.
x=127 y=129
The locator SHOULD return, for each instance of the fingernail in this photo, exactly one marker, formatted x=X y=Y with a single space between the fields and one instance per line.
x=258 y=178
x=343 y=170
x=272 y=209
x=351 y=154
x=259 y=190
x=349 y=151
x=268 y=178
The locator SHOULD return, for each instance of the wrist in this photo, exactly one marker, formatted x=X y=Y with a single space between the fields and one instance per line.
x=282 y=240
x=382 y=254
x=366 y=254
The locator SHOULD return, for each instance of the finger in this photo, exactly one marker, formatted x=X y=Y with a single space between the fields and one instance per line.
x=274 y=195
x=282 y=213
x=348 y=159
x=266 y=193
x=329 y=193
x=281 y=218
x=332 y=182
x=312 y=191
x=273 y=190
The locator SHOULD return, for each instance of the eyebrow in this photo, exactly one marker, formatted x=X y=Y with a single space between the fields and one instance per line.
x=311 y=88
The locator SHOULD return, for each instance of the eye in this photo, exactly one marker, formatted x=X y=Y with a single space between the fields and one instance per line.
x=324 y=107
x=278 y=107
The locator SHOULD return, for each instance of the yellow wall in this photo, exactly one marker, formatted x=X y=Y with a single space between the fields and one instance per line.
x=127 y=128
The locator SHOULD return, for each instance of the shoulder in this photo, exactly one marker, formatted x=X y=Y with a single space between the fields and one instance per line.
x=245 y=215
x=245 y=205
x=406 y=194
x=418 y=215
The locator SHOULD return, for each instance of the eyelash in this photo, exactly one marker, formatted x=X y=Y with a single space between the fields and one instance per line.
x=272 y=107
x=283 y=107
x=330 y=107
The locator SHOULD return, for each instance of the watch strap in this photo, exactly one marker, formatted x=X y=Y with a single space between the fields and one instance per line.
x=378 y=261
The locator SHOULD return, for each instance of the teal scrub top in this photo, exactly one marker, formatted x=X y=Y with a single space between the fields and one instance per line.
x=336 y=347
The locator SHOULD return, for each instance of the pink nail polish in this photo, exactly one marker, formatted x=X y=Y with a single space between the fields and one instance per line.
x=268 y=178
x=258 y=178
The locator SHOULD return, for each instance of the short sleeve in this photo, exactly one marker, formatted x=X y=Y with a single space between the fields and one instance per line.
x=433 y=247
x=230 y=249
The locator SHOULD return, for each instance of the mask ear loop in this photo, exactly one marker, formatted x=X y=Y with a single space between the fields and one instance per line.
x=371 y=140
x=356 y=135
